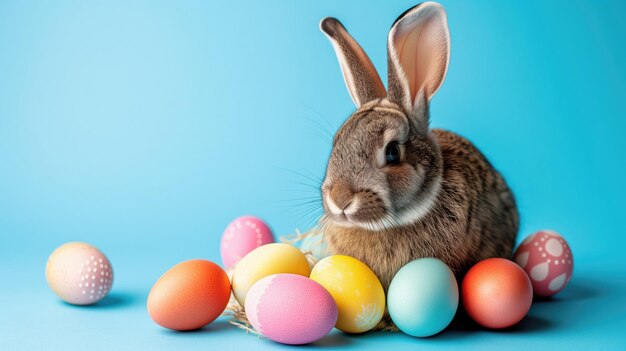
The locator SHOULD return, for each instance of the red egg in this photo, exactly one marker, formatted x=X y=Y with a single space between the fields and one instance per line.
x=496 y=293
x=547 y=259
x=189 y=296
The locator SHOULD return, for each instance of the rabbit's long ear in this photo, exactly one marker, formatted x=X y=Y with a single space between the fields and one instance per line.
x=419 y=52
x=359 y=73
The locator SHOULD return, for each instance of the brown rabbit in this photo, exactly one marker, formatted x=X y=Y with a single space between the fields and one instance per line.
x=394 y=189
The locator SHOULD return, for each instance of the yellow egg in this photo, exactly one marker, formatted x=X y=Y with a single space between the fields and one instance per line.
x=357 y=291
x=267 y=260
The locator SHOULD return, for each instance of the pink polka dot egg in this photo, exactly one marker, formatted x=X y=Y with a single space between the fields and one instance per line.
x=79 y=273
x=548 y=261
x=290 y=309
x=241 y=236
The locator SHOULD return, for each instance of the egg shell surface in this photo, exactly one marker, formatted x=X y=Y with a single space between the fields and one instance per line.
x=355 y=288
x=264 y=261
x=241 y=236
x=189 y=295
x=290 y=309
x=548 y=260
x=423 y=297
x=496 y=293
x=79 y=273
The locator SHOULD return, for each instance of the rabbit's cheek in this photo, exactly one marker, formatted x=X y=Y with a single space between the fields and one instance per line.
x=404 y=182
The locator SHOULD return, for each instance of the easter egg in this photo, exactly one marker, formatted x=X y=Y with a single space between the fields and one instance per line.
x=241 y=236
x=79 y=273
x=423 y=297
x=355 y=288
x=548 y=260
x=267 y=260
x=496 y=293
x=189 y=295
x=290 y=309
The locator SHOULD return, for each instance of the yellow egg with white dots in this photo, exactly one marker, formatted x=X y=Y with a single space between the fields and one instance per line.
x=357 y=291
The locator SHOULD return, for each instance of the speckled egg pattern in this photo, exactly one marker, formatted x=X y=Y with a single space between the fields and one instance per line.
x=290 y=309
x=79 y=273
x=548 y=261
x=96 y=278
x=241 y=236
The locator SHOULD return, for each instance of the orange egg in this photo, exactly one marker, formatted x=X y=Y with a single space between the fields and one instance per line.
x=189 y=296
x=496 y=293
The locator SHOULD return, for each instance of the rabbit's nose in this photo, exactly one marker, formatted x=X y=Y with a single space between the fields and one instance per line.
x=339 y=198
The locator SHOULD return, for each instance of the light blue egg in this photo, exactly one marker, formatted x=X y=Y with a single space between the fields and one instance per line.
x=423 y=297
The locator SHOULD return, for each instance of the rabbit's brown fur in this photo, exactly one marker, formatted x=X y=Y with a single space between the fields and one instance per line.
x=475 y=217
x=434 y=194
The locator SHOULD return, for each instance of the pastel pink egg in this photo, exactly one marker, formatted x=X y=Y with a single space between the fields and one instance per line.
x=548 y=261
x=243 y=235
x=291 y=309
x=79 y=273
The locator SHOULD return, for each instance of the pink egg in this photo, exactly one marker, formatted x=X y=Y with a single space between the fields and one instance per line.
x=290 y=309
x=548 y=261
x=243 y=235
x=79 y=273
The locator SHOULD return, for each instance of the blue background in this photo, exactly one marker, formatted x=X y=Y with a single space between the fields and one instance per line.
x=144 y=127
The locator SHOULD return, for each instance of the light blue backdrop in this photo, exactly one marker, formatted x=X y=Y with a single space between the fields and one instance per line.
x=144 y=127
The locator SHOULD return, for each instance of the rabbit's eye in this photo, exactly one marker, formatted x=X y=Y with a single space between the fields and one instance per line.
x=392 y=153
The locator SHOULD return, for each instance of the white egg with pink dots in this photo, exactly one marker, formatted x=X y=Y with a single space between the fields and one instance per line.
x=79 y=273
x=548 y=261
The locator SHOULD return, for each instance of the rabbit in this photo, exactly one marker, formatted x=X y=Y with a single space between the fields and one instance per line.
x=395 y=190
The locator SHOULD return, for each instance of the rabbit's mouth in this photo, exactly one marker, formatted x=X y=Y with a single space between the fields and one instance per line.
x=363 y=209
x=377 y=225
